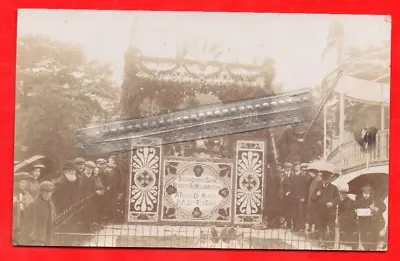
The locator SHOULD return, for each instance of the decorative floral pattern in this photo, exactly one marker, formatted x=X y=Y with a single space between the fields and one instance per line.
x=198 y=191
x=250 y=167
x=144 y=181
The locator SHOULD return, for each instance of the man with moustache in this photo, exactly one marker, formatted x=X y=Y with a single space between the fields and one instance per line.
x=299 y=190
x=67 y=188
x=38 y=221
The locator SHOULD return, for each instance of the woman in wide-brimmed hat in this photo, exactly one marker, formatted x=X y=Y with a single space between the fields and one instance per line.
x=21 y=199
x=34 y=184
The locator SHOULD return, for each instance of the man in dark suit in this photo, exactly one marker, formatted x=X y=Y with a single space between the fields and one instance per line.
x=299 y=190
x=327 y=199
x=272 y=198
x=285 y=193
x=369 y=225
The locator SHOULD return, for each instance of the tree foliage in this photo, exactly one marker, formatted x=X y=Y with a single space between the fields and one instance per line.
x=57 y=91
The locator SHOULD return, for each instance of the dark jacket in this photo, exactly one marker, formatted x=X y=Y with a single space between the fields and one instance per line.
x=347 y=215
x=299 y=186
x=285 y=186
x=89 y=186
x=376 y=220
x=38 y=223
x=312 y=204
x=66 y=194
x=330 y=193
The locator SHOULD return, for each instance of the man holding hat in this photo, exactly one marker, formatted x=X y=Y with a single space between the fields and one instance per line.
x=21 y=199
x=327 y=199
x=369 y=209
x=285 y=192
x=299 y=190
x=67 y=191
x=38 y=222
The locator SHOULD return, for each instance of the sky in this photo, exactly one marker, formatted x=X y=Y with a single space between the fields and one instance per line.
x=294 y=41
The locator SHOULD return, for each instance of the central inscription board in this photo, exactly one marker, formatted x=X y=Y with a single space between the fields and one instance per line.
x=197 y=191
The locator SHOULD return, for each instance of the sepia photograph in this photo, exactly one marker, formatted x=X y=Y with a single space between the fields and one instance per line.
x=145 y=129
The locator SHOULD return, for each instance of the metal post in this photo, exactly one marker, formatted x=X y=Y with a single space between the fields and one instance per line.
x=382 y=110
x=341 y=130
x=337 y=229
x=325 y=135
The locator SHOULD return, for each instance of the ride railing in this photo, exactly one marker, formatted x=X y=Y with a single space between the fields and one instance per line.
x=351 y=155
x=159 y=236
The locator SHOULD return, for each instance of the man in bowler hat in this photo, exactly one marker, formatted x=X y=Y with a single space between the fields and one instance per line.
x=327 y=199
x=299 y=189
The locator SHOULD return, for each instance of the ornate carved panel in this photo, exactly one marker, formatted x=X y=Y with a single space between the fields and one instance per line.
x=144 y=183
x=249 y=181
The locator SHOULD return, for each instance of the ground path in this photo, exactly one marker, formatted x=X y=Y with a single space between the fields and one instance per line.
x=181 y=236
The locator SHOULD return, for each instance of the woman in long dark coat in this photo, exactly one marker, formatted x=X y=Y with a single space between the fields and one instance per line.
x=312 y=205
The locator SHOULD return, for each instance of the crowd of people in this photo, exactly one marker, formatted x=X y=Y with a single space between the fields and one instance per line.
x=95 y=187
x=300 y=197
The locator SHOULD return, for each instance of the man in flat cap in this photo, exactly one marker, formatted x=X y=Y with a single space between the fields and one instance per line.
x=369 y=209
x=327 y=199
x=112 y=184
x=38 y=221
x=303 y=167
x=34 y=184
x=21 y=199
x=90 y=186
x=299 y=190
x=67 y=191
x=273 y=203
x=79 y=167
x=347 y=218
x=285 y=192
